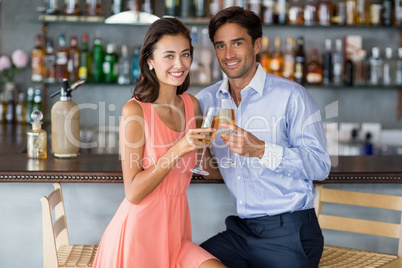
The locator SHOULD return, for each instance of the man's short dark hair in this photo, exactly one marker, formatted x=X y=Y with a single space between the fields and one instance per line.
x=238 y=15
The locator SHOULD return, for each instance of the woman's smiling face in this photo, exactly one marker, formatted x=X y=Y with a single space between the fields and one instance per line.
x=171 y=60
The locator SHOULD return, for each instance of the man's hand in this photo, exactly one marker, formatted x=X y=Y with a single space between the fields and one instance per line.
x=244 y=143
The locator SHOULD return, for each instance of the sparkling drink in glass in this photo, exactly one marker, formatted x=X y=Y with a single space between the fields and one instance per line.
x=227 y=114
x=211 y=119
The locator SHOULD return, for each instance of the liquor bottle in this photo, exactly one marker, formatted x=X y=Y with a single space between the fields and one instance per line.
x=93 y=7
x=398 y=69
x=135 y=64
x=300 y=62
x=360 y=67
x=338 y=16
x=376 y=64
x=363 y=12
x=37 y=100
x=61 y=59
x=324 y=13
x=205 y=59
x=368 y=144
x=110 y=64
x=85 y=59
x=229 y=3
x=289 y=60
x=337 y=61
x=214 y=7
x=71 y=7
x=37 y=138
x=97 y=60
x=37 y=63
x=186 y=9
x=350 y=12
x=30 y=103
x=267 y=11
x=172 y=7
x=10 y=107
x=398 y=12
x=216 y=70
x=124 y=67
x=264 y=56
x=276 y=62
x=147 y=6
x=117 y=6
x=20 y=109
x=49 y=68
x=327 y=63
x=349 y=70
x=386 y=14
x=133 y=5
x=200 y=9
x=314 y=70
x=375 y=12
x=196 y=62
x=355 y=145
x=2 y=108
x=52 y=7
x=296 y=12
x=389 y=67
x=240 y=3
x=255 y=6
x=280 y=12
x=310 y=12
x=73 y=59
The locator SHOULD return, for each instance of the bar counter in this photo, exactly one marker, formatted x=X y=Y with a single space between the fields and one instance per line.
x=15 y=167
x=106 y=168
x=93 y=191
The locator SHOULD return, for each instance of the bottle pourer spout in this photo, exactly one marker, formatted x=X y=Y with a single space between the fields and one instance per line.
x=66 y=89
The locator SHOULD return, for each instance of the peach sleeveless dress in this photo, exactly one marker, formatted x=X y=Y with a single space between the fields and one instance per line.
x=157 y=232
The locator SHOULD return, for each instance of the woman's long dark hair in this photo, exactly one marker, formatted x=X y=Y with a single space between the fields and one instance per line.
x=146 y=88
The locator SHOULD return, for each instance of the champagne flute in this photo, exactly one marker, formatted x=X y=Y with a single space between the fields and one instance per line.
x=211 y=119
x=227 y=115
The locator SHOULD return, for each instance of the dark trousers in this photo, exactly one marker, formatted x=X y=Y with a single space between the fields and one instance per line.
x=288 y=240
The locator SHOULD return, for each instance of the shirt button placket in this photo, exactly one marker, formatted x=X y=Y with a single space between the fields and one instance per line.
x=241 y=201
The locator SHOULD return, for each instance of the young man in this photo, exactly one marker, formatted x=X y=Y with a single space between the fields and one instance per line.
x=279 y=149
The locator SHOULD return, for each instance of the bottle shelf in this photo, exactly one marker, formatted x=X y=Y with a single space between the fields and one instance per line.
x=71 y=19
x=335 y=26
x=113 y=84
x=199 y=21
x=354 y=87
x=385 y=87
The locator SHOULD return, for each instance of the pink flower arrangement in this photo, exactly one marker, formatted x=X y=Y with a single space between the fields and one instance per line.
x=8 y=68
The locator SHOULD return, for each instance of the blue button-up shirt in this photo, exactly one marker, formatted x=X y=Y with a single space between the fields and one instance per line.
x=283 y=114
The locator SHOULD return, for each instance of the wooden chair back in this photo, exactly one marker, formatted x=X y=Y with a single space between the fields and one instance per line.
x=348 y=224
x=55 y=232
x=57 y=250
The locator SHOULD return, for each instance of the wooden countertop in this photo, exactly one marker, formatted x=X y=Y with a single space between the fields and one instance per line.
x=15 y=167
x=107 y=168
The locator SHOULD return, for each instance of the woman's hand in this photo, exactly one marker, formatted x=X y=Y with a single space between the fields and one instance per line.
x=196 y=138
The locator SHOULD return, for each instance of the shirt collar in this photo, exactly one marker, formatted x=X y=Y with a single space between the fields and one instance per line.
x=256 y=83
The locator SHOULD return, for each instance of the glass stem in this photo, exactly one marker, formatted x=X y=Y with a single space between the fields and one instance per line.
x=202 y=158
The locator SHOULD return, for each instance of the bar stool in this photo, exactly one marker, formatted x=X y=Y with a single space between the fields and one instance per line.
x=57 y=250
x=334 y=256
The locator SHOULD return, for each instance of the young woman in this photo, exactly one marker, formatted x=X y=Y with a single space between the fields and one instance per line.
x=158 y=142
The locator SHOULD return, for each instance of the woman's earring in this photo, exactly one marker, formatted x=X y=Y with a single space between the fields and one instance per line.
x=151 y=67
